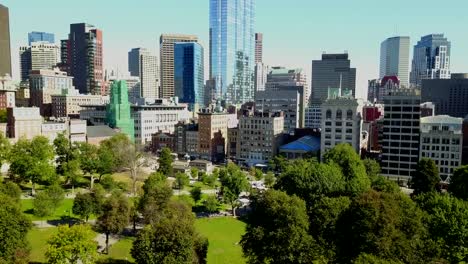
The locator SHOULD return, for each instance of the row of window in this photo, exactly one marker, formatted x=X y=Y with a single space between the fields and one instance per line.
x=339 y=114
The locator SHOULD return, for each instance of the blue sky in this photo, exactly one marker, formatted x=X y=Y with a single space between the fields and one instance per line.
x=295 y=31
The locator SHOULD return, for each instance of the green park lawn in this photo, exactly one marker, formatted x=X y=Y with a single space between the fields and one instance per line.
x=223 y=234
x=63 y=210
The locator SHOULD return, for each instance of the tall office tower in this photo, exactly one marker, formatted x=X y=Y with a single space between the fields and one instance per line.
x=261 y=73
x=210 y=92
x=282 y=77
x=166 y=49
x=431 y=59
x=258 y=47
x=232 y=49
x=141 y=63
x=5 y=53
x=118 y=114
x=334 y=70
x=38 y=56
x=400 y=133
x=40 y=37
x=85 y=58
x=450 y=96
x=394 y=59
x=189 y=74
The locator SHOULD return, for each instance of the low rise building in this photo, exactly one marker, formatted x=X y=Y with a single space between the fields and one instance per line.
x=162 y=140
x=442 y=141
x=7 y=92
x=202 y=165
x=260 y=135
x=212 y=133
x=24 y=122
x=96 y=134
x=305 y=147
x=52 y=129
x=70 y=105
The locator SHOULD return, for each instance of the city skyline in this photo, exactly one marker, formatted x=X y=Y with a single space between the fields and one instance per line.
x=319 y=30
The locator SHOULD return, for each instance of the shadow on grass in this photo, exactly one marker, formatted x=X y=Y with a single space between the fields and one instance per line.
x=113 y=261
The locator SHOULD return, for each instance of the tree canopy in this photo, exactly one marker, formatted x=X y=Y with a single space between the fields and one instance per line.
x=233 y=182
x=426 y=177
x=459 y=183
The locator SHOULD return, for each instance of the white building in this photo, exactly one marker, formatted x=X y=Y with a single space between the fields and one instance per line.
x=71 y=104
x=261 y=72
x=442 y=141
x=38 y=56
x=341 y=122
x=7 y=92
x=260 y=136
x=394 y=59
x=160 y=116
x=24 y=122
x=52 y=129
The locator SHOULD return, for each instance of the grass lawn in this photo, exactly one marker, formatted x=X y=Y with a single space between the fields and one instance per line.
x=38 y=240
x=63 y=210
x=121 y=250
x=224 y=235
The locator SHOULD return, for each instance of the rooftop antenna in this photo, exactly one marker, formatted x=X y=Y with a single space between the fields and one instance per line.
x=341 y=81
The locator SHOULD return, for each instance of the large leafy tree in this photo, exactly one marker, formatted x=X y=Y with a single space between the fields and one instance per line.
x=447 y=221
x=88 y=160
x=277 y=231
x=11 y=189
x=170 y=240
x=459 y=183
x=426 y=177
x=310 y=180
x=14 y=226
x=352 y=167
x=165 y=162
x=372 y=169
x=32 y=161
x=65 y=152
x=233 y=182
x=87 y=204
x=388 y=225
x=156 y=196
x=72 y=245
x=114 y=217
x=46 y=202
x=5 y=148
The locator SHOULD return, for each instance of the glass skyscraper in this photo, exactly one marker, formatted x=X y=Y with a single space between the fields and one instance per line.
x=40 y=36
x=189 y=73
x=394 y=59
x=232 y=49
x=431 y=59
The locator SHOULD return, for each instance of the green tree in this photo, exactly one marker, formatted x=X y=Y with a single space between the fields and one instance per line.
x=72 y=245
x=181 y=180
x=388 y=225
x=88 y=160
x=270 y=179
x=65 y=153
x=278 y=164
x=426 y=177
x=278 y=219
x=211 y=204
x=56 y=195
x=42 y=205
x=371 y=259
x=156 y=195
x=71 y=171
x=32 y=161
x=3 y=116
x=105 y=161
x=352 y=167
x=14 y=226
x=447 y=221
x=196 y=193
x=5 y=148
x=11 y=190
x=310 y=180
x=256 y=173
x=381 y=184
x=194 y=173
x=233 y=182
x=170 y=240
x=165 y=162
x=372 y=169
x=459 y=183
x=115 y=216
x=87 y=204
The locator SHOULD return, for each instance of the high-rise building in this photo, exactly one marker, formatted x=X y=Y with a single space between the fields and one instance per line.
x=400 y=133
x=144 y=65
x=341 y=122
x=442 y=142
x=85 y=59
x=394 y=59
x=189 y=73
x=118 y=110
x=259 y=137
x=5 y=52
x=166 y=49
x=431 y=59
x=258 y=48
x=232 y=49
x=334 y=70
x=450 y=96
x=40 y=37
x=261 y=73
x=38 y=56
x=282 y=77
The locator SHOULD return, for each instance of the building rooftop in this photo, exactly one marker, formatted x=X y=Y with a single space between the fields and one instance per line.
x=441 y=119
x=304 y=144
x=100 y=131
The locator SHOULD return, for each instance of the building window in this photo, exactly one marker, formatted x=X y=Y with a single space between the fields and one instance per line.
x=329 y=114
x=339 y=114
x=349 y=114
